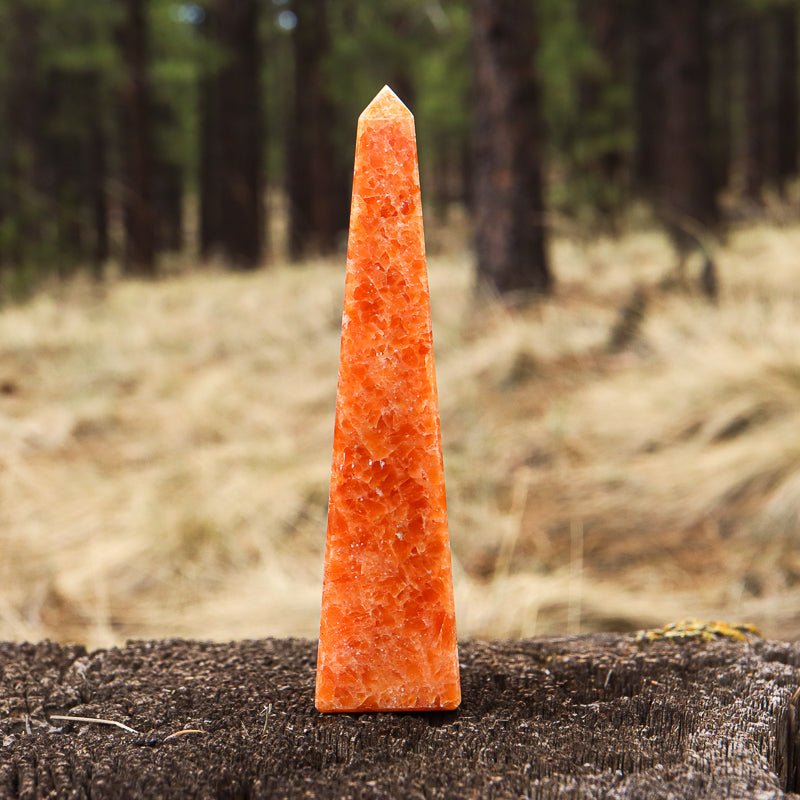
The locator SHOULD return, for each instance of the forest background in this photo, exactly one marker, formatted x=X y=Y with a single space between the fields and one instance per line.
x=610 y=190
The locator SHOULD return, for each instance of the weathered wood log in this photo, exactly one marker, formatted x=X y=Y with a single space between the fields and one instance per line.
x=573 y=717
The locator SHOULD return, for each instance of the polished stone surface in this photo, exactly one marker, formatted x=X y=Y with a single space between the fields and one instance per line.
x=387 y=634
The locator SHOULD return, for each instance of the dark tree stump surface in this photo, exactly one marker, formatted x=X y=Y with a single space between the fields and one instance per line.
x=592 y=716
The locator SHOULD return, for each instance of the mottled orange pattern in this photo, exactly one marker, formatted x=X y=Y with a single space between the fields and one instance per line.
x=387 y=635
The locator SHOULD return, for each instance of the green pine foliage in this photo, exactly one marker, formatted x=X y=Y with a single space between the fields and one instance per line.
x=61 y=70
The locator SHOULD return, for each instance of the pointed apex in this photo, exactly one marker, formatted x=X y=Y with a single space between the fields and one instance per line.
x=385 y=104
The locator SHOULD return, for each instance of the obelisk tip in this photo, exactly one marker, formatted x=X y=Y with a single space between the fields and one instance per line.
x=385 y=103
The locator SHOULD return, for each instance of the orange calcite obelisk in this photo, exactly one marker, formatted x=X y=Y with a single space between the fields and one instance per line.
x=387 y=635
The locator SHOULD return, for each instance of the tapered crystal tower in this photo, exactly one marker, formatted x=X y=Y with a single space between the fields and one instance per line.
x=387 y=633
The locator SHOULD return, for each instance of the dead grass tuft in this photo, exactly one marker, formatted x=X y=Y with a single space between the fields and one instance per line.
x=164 y=448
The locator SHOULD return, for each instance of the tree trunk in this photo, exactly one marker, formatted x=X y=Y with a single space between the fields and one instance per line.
x=722 y=71
x=169 y=206
x=508 y=200
x=755 y=106
x=232 y=151
x=648 y=89
x=600 y=109
x=787 y=95
x=167 y=190
x=52 y=149
x=136 y=137
x=66 y=151
x=210 y=172
x=96 y=176
x=23 y=192
x=314 y=219
x=686 y=181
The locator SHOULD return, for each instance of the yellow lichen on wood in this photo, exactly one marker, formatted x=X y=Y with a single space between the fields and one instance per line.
x=698 y=629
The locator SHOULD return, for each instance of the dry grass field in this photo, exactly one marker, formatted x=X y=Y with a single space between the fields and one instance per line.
x=165 y=447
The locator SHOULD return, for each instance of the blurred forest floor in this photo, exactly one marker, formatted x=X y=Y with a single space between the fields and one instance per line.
x=165 y=447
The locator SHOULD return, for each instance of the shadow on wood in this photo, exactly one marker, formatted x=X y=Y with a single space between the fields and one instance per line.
x=599 y=715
